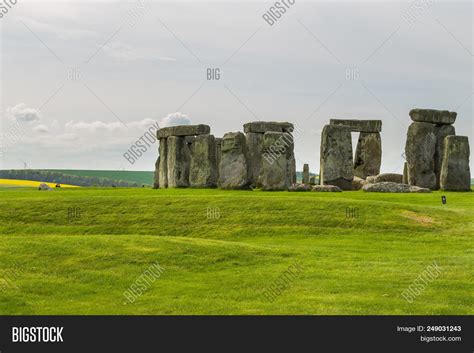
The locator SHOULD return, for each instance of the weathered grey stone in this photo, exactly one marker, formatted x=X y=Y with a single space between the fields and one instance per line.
x=288 y=142
x=312 y=180
x=359 y=125
x=189 y=140
x=291 y=173
x=455 y=172
x=368 y=156
x=419 y=153
x=203 y=167
x=394 y=178
x=163 y=166
x=414 y=188
x=370 y=179
x=156 y=179
x=44 y=187
x=218 y=141
x=405 y=173
x=388 y=186
x=264 y=126
x=358 y=183
x=300 y=187
x=183 y=130
x=433 y=116
x=326 y=188
x=254 y=157
x=305 y=174
x=336 y=157
x=178 y=156
x=233 y=168
x=441 y=131
x=274 y=170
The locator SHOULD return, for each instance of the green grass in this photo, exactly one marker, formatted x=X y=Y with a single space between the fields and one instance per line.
x=222 y=266
x=142 y=177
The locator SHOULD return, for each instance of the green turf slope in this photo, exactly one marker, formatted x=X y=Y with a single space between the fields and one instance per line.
x=223 y=265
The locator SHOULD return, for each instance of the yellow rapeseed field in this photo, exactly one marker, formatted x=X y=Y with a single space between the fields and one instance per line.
x=30 y=183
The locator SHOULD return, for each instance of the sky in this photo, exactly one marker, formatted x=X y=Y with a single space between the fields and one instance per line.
x=82 y=81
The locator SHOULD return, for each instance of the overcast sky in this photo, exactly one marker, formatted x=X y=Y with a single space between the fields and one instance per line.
x=82 y=81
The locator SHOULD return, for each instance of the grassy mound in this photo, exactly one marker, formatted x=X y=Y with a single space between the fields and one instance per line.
x=76 y=251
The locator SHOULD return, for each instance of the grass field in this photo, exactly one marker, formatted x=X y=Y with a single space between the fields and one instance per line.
x=222 y=265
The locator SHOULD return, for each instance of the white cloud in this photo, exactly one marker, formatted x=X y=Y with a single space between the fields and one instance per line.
x=173 y=119
x=124 y=52
x=41 y=129
x=62 y=32
x=22 y=113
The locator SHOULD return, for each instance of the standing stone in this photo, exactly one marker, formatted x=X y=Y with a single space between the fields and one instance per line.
x=177 y=162
x=293 y=170
x=254 y=145
x=305 y=173
x=288 y=144
x=368 y=156
x=233 y=167
x=274 y=171
x=203 y=168
x=405 y=173
x=156 y=180
x=419 y=152
x=218 y=155
x=163 y=166
x=441 y=131
x=455 y=172
x=336 y=157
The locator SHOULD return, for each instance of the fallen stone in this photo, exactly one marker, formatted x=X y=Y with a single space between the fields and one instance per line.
x=233 y=168
x=441 y=131
x=178 y=156
x=388 y=186
x=358 y=183
x=183 y=130
x=326 y=188
x=368 y=156
x=419 y=153
x=370 y=179
x=299 y=187
x=359 y=125
x=395 y=178
x=455 y=172
x=336 y=157
x=203 y=167
x=265 y=126
x=433 y=116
